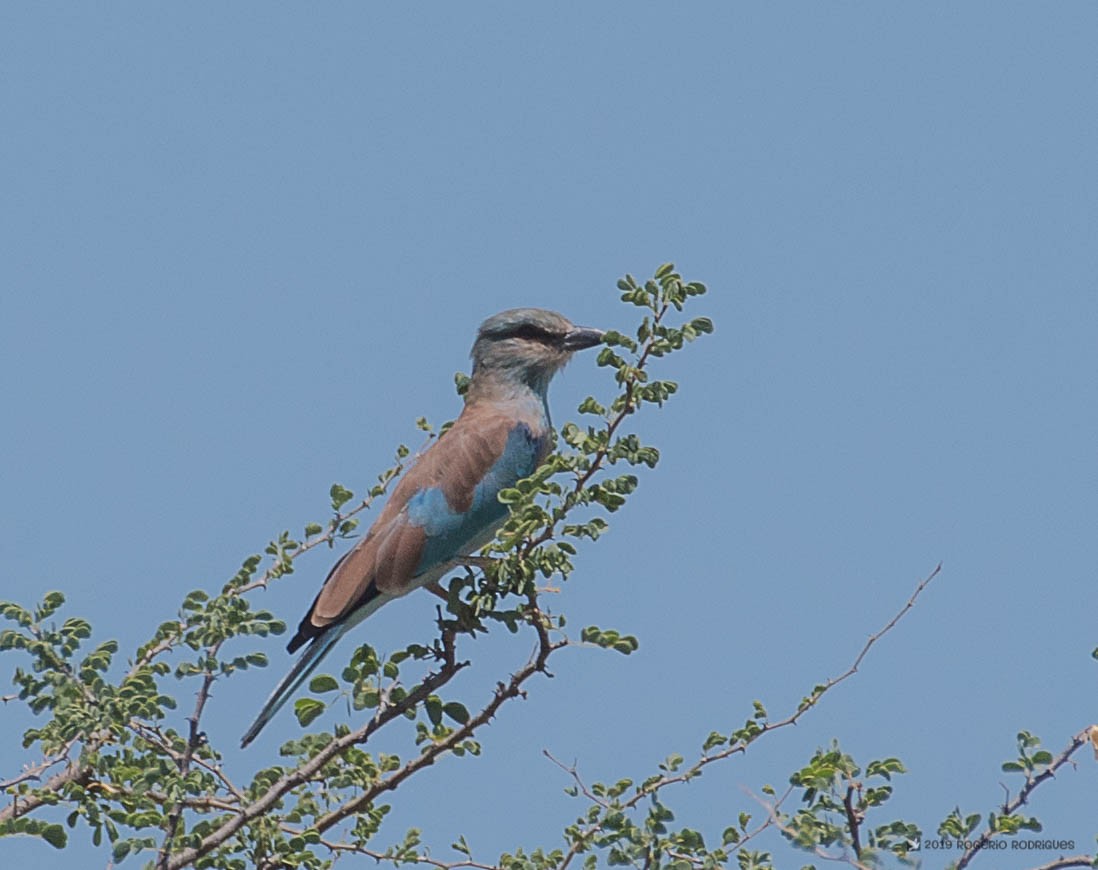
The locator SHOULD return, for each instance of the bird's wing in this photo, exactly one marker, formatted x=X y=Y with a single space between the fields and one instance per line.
x=444 y=504
x=445 y=501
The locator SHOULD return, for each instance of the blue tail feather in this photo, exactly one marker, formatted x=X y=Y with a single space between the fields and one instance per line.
x=290 y=683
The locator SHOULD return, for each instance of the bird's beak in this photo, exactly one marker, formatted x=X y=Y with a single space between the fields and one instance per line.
x=582 y=337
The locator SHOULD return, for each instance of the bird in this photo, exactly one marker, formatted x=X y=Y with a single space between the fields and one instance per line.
x=446 y=505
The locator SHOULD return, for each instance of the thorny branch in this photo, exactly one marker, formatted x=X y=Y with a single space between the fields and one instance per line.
x=740 y=746
x=1032 y=781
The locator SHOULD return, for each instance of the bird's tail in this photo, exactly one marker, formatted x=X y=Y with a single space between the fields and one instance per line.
x=313 y=655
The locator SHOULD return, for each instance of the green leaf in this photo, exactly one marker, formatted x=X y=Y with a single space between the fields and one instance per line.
x=456 y=711
x=195 y=600
x=433 y=705
x=714 y=740
x=702 y=324
x=340 y=496
x=462 y=846
x=307 y=709
x=12 y=611
x=55 y=835
x=323 y=683
x=49 y=605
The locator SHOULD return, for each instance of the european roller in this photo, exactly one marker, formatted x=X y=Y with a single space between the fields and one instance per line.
x=447 y=504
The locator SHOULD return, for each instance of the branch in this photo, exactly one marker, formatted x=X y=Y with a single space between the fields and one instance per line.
x=74 y=774
x=503 y=692
x=36 y=771
x=1073 y=861
x=403 y=859
x=302 y=774
x=739 y=746
x=570 y=769
x=853 y=820
x=195 y=739
x=1010 y=807
x=80 y=774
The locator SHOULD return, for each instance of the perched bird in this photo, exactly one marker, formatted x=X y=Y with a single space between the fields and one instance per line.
x=447 y=504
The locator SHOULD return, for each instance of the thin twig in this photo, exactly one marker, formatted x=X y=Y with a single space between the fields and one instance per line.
x=570 y=769
x=36 y=771
x=380 y=857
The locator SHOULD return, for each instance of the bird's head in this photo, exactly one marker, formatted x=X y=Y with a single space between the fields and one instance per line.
x=528 y=346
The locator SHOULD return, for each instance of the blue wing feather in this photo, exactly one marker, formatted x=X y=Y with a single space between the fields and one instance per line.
x=447 y=530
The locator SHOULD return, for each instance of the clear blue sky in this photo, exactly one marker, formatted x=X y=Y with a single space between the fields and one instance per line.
x=244 y=246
